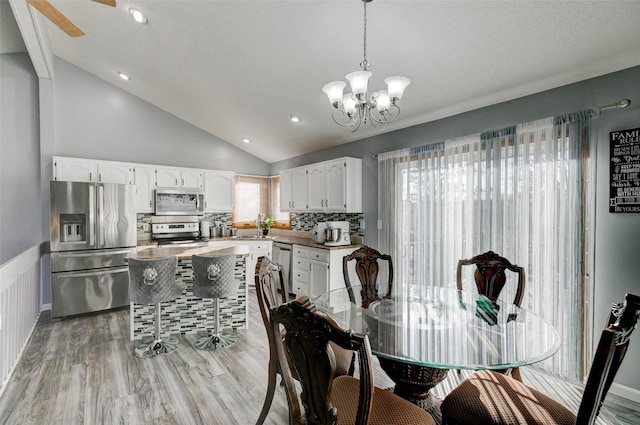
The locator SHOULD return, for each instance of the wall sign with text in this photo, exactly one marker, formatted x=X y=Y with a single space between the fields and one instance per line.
x=624 y=171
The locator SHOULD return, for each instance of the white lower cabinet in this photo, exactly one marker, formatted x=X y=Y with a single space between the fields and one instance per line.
x=257 y=249
x=317 y=270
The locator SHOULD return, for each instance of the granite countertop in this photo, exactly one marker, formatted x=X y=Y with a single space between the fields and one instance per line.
x=280 y=238
x=185 y=253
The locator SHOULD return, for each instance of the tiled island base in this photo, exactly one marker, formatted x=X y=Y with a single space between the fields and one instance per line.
x=189 y=314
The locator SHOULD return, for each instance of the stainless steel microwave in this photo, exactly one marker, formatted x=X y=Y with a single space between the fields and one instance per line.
x=179 y=202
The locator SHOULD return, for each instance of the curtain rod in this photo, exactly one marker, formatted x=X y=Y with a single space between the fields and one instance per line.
x=623 y=103
x=619 y=104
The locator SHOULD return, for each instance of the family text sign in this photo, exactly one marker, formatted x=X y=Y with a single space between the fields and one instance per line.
x=624 y=171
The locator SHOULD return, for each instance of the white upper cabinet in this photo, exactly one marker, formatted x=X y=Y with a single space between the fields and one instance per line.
x=145 y=181
x=331 y=186
x=74 y=169
x=174 y=177
x=316 y=187
x=91 y=170
x=219 y=191
x=115 y=172
x=293 y=190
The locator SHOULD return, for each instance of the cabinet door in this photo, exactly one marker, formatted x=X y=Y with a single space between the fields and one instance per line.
x=286 y=190
x=336 y=192
x=318 y=278
x=218 y=192
x=316 y=188
x=145 y=180
x=191 y=179
x=74 y=169
x=113 y=172
x=168 y=177
x=299 y=191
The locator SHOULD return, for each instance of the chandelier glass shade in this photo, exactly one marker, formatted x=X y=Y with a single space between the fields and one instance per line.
x=357 y=107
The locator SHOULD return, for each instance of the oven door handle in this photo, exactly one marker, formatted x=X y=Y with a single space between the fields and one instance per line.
x=90 y=273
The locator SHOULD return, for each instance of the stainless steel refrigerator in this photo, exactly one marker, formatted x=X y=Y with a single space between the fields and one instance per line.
x=93 y=229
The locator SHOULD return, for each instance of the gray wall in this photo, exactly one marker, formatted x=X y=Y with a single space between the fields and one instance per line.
x=20 y=197
x=95 y=119
x=617 y=236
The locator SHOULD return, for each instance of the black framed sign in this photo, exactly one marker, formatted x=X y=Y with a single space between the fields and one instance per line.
x=624 y=171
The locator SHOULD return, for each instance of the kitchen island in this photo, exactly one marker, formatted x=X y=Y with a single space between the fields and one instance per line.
x=189 y=314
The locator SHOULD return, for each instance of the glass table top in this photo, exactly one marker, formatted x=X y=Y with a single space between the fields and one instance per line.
x=445 y=328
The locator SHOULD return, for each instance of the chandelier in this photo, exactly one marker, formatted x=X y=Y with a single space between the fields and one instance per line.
x=355 y=108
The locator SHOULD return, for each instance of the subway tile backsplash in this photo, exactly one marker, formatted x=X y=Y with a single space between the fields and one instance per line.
x=302 y=222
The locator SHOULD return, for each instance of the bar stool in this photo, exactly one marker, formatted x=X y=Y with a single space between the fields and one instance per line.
x=153 y=282
x=213 y=277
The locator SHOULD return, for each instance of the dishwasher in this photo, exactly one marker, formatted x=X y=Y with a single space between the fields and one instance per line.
x=282 y=256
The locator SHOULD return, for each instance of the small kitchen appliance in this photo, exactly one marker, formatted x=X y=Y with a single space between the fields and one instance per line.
x=179 y=202
x=318 y=232
x=337 y=233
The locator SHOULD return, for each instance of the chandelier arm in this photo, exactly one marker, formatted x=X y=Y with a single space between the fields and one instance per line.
x=387 y=117
x=344 y=124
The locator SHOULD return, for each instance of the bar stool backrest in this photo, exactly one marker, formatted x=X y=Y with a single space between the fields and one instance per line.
x=213 y=276
x=153 y=281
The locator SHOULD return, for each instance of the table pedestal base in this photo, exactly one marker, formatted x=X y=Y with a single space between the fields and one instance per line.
x=413 y=383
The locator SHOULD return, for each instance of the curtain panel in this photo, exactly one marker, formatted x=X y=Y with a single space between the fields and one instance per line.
x=518 y=191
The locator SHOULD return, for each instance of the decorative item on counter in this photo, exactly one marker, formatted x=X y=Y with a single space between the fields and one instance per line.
x=265 y=224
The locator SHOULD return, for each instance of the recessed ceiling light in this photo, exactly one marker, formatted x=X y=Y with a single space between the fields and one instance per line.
x=124 y=76
x=294 y=119
x=244 y=139
x=137 y=16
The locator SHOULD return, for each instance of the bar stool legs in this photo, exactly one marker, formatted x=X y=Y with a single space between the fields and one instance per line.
x=153 y=281
x=213 y=278
x=158 y=346
x=217 y=340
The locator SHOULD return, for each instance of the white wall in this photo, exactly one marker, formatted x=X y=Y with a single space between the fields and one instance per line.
x=21 y=205
x=95 y=119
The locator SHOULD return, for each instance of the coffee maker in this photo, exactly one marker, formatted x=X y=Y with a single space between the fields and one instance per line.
x=337 y=233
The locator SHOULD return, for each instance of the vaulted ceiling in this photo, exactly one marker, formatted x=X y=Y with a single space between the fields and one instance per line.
x=239 y=69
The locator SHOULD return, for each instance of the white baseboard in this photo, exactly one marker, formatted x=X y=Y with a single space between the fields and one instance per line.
x=625 y=392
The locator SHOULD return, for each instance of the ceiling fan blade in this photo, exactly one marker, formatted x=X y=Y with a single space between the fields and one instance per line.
x=111 y=3
x=55 y=16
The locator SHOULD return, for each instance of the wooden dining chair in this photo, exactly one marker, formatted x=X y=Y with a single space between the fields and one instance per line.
x=271 y=292
x=490 y=398
x=327 y=399
x=490 y=276
x=367 y=268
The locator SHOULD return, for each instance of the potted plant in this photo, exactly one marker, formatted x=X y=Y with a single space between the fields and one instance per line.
x=266 y=224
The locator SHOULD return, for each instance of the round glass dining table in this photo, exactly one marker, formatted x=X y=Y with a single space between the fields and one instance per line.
x=420 y=335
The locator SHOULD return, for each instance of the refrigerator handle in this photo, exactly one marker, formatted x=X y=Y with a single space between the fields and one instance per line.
x=100 y=215
x=92 y=215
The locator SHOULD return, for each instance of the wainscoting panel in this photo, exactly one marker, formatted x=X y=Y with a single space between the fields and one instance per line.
x=19 y=308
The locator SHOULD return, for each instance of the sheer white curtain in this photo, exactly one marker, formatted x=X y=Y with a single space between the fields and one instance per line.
x=518 y=191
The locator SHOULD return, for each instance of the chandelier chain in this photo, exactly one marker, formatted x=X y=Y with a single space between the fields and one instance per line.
x=365 y=63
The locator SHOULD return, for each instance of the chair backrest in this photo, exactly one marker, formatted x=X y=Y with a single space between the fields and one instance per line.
x=270 y=278
x=309 y=332
x=367 y=268
x=490 y=276
x=611 y=350
x=214 y=276
x=153 y=281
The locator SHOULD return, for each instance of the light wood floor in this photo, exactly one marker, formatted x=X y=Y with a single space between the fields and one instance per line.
x=82 y=371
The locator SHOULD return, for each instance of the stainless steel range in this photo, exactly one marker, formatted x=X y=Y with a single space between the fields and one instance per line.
x=176 y=230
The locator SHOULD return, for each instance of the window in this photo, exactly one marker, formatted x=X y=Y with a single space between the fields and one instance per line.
x=520 y=192
x=251 y=199
x=258 y=195
x=281 y=218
